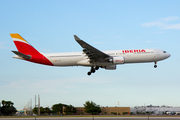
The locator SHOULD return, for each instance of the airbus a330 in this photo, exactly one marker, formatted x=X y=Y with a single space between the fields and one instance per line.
x=90 y=56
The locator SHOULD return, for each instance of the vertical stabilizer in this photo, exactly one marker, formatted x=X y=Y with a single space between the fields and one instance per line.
x=22 y=45
x=28 y=52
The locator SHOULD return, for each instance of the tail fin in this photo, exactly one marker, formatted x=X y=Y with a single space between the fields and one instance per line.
x=28 y=52
x=22 y=45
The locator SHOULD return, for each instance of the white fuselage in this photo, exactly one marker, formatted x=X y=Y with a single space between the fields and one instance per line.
x=130 y=56
x=90 y=56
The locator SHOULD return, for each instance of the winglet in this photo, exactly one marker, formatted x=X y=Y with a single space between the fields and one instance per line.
x=76 y=38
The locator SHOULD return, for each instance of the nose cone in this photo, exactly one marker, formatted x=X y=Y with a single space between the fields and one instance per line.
x=168 y=55
x=164 y=55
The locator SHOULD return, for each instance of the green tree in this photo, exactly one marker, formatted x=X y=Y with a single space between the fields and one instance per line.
x=42 y=110
x=7 y=103
x=58 y=108
x=69 y=110
x=35 y=110
x=3 y=102
x=124 y=113
x=47 y=110
x=92 y=108
x=8 y=108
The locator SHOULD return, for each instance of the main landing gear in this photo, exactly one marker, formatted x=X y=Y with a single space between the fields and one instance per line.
x=93 y=70
x=155 y=66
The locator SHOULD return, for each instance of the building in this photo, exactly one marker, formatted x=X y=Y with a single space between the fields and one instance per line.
x=107 y=110
x=115 y=110
x=24 y=112
x=156 y=110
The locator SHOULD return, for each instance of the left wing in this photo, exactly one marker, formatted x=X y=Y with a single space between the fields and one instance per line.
x=93 y=54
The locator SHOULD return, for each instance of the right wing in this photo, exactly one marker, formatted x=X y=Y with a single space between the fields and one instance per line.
x=93 y=54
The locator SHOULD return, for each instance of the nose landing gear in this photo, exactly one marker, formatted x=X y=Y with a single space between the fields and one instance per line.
x=155 y=66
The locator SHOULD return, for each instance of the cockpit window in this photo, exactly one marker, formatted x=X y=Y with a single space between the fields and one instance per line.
x=164 y=52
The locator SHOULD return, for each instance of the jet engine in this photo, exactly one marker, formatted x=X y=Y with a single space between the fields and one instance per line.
x=110 y=67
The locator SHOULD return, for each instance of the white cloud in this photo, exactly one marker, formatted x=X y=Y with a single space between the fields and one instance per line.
x=31 y=38
x=165 y=23
x=98 y=42
x=107 y=37
x=170 y=18
x=1 y=46
x=172 y=26
x=45 y=50
x=116 y=36
x=149 y=24
x=149 y=41
x=98 y=37
x=158 y=32
x=52 y=86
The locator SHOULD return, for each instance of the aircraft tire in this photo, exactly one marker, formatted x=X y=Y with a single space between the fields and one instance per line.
x=89 y=73
x=93 y=70
x=155 y=66
x=97 y=67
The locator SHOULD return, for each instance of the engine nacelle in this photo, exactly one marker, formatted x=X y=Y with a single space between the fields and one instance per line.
x=118 y=60
x=110 y=67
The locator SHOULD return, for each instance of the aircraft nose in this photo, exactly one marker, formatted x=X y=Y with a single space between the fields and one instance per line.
x=168 y=55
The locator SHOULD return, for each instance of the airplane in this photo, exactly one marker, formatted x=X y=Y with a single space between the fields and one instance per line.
x=90 y=56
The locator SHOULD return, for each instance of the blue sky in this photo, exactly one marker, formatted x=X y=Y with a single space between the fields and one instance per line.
x=105 y=24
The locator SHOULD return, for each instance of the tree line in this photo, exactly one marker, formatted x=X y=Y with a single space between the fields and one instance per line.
x=90 y=107
x=59 y=109
x=56 y=109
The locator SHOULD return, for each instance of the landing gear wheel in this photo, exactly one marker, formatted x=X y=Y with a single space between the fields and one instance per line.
x=92 y=70
x=89 y=73
x=97 y=67
x=155 y=66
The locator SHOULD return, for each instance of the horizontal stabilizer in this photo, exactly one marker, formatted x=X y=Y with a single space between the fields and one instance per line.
x=22 y=55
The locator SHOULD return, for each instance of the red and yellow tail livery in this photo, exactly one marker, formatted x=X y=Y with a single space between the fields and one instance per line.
x=28 y=52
